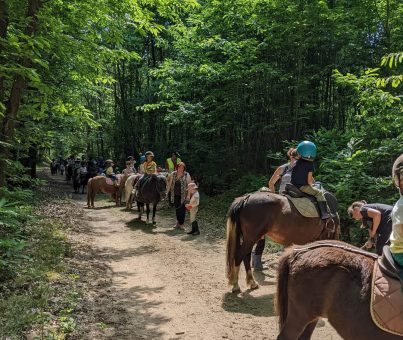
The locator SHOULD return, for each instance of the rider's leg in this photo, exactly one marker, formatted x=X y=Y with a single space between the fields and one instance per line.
x=318 y=194
x=257 y=255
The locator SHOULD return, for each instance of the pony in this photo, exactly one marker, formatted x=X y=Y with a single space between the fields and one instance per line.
x=98 y=183
x=328 y=279
x=252 y=216
x=153 y=190
x=129 y=185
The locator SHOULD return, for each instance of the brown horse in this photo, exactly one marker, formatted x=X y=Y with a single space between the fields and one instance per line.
x=328 y=279
x=98 y=183
x=252 y=216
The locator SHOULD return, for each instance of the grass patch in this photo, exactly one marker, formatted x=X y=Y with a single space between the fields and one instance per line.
x=37 y=289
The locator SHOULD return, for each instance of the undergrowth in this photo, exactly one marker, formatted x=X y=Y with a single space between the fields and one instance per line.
x=37 y=292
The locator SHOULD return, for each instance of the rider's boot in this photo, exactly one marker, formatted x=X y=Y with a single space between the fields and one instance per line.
x=324 y=211
x=196 y=228
x=257 y=262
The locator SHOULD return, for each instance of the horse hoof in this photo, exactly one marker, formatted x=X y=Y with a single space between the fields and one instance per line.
x=236 y=289
x=154 y=222
x=254 y=285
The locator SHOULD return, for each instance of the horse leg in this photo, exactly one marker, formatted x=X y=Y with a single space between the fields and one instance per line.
x=140 y=209
x=93 y=193
x=298 y=325
x=250 y=280
x=148 y=213
x=154 y=211
x=307 y=333
x=241 y=253
x=302 y=316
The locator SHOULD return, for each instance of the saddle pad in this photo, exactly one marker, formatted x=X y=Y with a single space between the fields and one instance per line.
x=386 y=302
x=305 y=206
x=110 y=182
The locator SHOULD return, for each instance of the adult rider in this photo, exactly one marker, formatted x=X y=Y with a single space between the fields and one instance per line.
x=282 y=174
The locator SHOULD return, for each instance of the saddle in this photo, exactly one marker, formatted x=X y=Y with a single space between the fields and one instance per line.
x=389 y=267
x=116 y=183
x=386 y=305
x=307 y=204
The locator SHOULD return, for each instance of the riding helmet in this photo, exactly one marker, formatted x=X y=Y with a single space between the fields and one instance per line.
x=307 y=150
x=149 y=153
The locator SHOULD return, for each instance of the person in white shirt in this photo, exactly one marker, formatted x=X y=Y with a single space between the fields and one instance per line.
x=193 y=207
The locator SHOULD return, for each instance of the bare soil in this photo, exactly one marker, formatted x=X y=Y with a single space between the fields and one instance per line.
x=145 y=282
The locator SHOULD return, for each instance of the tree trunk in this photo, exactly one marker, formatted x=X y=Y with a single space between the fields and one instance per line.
x=12 y=104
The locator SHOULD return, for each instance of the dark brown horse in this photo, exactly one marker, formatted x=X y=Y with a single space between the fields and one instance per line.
x=329 y=279
x=152 y=190
x=252 y=216
x=98 y=183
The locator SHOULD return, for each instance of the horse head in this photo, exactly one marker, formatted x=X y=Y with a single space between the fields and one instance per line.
x=161 y=185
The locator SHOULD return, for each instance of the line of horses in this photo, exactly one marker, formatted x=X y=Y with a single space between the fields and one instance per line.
x=152 y=191
x=328 y=279
x=325 y=278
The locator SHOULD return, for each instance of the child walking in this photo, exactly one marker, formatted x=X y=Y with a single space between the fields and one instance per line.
x=193 y=207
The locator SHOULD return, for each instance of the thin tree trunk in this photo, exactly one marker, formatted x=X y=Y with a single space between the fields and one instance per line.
x=17 y=91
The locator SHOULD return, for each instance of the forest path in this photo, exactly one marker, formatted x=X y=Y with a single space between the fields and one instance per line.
x=157 y=283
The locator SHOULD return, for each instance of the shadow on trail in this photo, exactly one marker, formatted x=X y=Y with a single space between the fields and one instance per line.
x=137 y=224
x=245 y=303
x=111 y=254
x=103 y=207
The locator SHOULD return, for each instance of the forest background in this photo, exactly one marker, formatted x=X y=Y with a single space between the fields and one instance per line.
x=229 y=84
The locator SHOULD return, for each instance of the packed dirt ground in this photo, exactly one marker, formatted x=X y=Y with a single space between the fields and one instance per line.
x=145 y=282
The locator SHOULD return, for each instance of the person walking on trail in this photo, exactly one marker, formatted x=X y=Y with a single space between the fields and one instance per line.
x=178 y=183
x=282 y=173
x=193 y=207
x=396 y=237
x=377 y=218
x=302 y=176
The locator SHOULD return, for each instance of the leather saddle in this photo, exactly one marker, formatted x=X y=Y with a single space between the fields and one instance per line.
x=388 y=265
x=294 y=192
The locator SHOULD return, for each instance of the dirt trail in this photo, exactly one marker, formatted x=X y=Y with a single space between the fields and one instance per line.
x=156 y=283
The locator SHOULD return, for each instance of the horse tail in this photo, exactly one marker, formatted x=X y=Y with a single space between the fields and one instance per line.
x=282 y=287
x=233 y=234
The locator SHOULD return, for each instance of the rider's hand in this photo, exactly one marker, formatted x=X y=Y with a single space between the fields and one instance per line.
x=368 y=244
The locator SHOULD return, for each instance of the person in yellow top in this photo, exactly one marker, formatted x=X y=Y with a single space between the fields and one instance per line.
x=171 y=165
x=396 y=237
x=150 y=168
x=172 y=162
